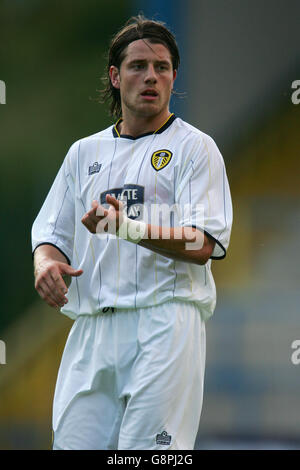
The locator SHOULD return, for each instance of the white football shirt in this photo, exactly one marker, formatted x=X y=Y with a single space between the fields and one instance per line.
x=178 y=165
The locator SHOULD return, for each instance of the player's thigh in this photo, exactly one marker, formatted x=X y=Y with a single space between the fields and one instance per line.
x=87 y=408
x=92 y=420
x=165 y=391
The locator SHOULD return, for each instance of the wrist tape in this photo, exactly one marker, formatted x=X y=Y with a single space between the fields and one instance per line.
x=132 y=230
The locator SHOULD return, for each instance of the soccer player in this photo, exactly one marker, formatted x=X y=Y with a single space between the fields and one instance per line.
x=135 y=216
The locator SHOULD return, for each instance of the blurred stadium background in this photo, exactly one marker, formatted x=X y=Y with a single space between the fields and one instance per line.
x=239 y=59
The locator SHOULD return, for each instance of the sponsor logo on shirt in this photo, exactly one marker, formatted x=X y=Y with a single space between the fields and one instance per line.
x=160 y=159
x=131 y=195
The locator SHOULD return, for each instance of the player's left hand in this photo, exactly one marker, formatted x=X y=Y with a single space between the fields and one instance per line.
x=100 y=220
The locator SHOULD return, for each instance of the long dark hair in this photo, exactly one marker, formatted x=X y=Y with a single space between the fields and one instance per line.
x=137 y=27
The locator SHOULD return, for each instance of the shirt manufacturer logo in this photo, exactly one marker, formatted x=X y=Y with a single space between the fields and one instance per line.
x=95 y=168
x=163 y=439
x=160 y=159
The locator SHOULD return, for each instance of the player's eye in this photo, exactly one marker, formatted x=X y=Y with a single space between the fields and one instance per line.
x=138 y=66
x=163 y=67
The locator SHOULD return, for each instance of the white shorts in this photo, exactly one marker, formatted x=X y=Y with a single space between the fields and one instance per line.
x=132 y=379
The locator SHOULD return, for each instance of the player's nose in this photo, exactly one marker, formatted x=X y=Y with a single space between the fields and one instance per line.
x=150 y=74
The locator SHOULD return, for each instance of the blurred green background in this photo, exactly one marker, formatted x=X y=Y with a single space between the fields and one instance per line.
x=239 y=59
x=52 y=58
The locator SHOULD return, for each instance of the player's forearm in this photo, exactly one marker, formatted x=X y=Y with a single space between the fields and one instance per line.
x=45 y=253
x=180 y=243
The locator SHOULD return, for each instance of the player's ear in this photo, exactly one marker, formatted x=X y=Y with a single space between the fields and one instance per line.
x=174 y=75
x=114 y=76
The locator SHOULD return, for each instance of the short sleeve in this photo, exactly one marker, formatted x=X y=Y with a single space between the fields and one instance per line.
x=203 y=194
x=55 y=222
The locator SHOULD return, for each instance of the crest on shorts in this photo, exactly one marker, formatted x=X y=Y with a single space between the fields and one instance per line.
x=160 y=159
x=163 y=439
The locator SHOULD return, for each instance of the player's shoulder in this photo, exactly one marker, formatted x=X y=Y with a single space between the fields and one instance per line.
x=192 y=135
x=84 y=144
x=92 y=138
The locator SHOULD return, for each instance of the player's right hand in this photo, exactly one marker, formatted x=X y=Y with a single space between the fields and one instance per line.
x=49 y=281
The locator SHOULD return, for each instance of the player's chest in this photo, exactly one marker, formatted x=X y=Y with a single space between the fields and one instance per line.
x=139 y=171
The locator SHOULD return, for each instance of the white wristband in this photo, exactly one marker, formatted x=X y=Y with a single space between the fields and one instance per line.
x=132 y=230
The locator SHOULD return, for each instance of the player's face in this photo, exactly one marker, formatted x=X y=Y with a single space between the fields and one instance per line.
x=145 y=79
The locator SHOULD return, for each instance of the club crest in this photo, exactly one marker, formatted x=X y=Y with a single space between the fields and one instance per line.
x=160 y=159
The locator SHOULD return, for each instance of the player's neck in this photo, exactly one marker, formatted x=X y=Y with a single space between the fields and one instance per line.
x=138 y=125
